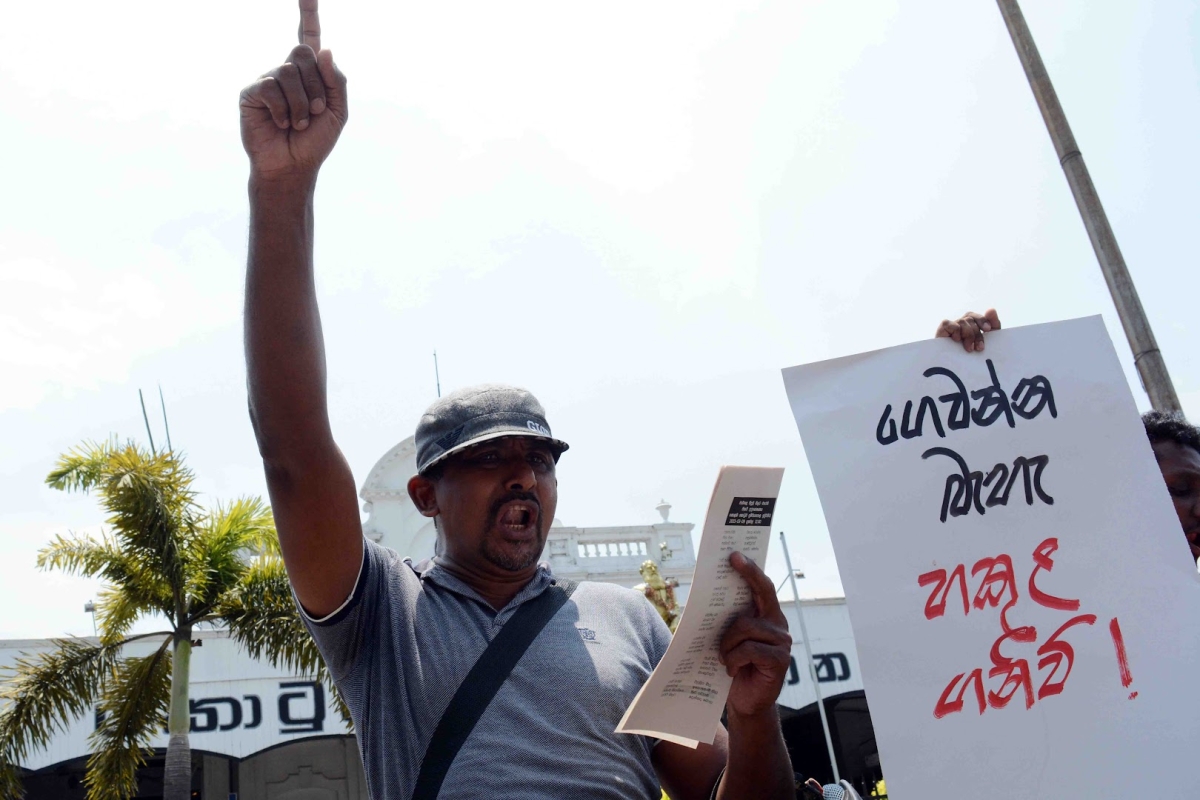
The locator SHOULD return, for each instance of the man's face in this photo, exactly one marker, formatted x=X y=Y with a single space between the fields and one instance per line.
x=496 y=501
x=1180 y=467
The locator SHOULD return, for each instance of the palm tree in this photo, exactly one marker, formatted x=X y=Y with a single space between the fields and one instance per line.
x=161 y=556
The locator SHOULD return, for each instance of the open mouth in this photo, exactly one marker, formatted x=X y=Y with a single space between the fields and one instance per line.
x=517 y=517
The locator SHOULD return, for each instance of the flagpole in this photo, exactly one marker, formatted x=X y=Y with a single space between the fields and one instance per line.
x=1151 y=367
x=808 y=658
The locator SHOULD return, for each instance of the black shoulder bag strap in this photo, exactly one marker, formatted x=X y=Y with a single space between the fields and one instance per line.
x=482 y=682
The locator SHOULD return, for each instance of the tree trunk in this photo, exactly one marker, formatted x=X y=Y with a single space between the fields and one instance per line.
x=177 y=773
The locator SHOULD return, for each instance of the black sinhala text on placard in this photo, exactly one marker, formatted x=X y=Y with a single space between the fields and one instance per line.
x=966 y=487
x=1027 y=400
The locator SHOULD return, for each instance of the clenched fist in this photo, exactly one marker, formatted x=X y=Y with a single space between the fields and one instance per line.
x=292 y=116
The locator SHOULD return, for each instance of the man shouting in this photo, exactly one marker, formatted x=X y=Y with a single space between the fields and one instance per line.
x=401 y=638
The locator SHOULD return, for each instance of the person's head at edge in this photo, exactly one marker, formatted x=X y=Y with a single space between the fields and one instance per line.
x=1175 y=441
x=1176 y=445
x=486 y=465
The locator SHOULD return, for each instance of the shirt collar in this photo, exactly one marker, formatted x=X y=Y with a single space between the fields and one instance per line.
x=429 y=571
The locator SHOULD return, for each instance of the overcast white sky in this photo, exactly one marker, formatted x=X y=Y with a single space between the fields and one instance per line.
x=639 y=211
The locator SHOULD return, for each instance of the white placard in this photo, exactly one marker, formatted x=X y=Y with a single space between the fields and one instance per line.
x=990 y=607
x=683 y=698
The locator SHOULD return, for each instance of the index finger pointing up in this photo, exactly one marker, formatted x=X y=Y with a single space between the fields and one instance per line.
x=310 y=25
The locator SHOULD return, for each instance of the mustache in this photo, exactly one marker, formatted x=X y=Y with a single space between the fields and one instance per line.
x=524 y=497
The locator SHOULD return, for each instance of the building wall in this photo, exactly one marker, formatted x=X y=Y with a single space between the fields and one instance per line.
x=835 y=658
x=313 y=769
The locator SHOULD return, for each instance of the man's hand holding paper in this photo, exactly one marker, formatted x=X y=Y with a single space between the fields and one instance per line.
x=731 y=624
x=757 y=648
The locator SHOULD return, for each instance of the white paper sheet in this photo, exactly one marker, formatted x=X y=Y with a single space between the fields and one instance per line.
x=1062 y=503
x=683 y=699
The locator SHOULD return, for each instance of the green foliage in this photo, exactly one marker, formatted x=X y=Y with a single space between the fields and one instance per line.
x=42 y=695
x=160 y=555
x=261 y=616
x=148 y=496
x=123 y=572
x=217 y=555
x=133 y=707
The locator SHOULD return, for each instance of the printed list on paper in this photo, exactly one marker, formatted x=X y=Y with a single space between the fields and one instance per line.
x=683 y=699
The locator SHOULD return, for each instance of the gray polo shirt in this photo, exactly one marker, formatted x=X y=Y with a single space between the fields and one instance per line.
x=408 y=635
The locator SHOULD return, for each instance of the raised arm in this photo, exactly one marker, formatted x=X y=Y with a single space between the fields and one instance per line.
x=291 y=118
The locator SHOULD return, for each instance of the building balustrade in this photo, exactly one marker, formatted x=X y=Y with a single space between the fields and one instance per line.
x=613 y=549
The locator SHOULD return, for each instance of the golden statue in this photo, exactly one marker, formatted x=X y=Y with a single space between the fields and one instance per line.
x=661 y=593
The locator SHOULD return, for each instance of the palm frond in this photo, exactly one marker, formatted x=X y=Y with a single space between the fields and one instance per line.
x=262 y=617
x=226 y=538
x=249 y=521
x=150 y=500
x=81 y=468
x=116 y=610
x=43 y=694
x=11 y=787
x=148 y=496
x=134 y=707
x=83 y=555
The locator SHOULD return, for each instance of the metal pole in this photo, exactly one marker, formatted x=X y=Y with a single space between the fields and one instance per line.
x=90 y=608
x=436 y=375
x=812 y=672
x=145 y=418
x=166 y=427
x=1146 y=356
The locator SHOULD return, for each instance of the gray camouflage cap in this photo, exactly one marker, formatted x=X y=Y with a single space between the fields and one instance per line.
x=476 y=414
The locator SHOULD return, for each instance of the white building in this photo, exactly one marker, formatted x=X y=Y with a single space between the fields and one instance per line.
x=262 y=734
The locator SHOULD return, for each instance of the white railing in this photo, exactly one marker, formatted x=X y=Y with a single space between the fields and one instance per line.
x=614 y=549
x=616 y=554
